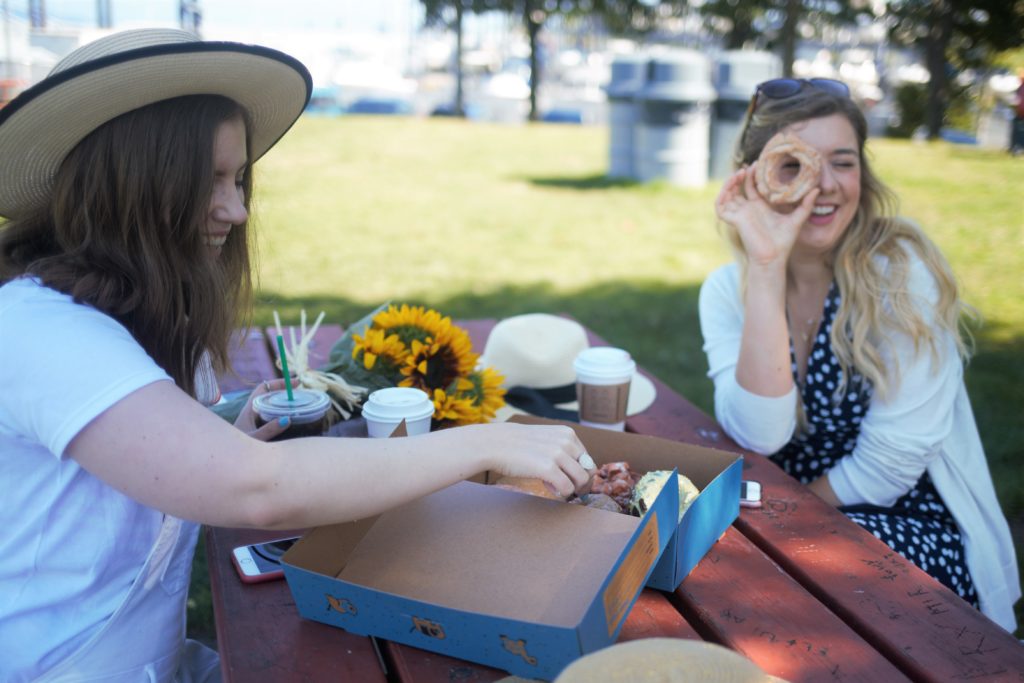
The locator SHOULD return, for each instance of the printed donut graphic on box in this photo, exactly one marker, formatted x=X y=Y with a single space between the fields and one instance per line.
x=341 y=605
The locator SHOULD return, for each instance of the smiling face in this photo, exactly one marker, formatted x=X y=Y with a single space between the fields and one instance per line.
x=227 y=202
x=835 y=139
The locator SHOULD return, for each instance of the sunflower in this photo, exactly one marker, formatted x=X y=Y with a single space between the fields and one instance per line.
x=485 y=390
x=377 y=344
x=413 y=346
x=411 y=322
x=492 y=393
x=438 y=361
x=451 y=409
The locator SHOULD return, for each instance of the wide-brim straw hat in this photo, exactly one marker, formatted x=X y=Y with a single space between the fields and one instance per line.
x=665 y=660
x=127 y=70
x=535 y=351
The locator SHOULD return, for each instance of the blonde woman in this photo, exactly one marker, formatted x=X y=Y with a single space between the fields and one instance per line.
x=834 y=345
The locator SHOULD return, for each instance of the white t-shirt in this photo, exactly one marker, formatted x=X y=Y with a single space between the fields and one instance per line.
x=69 y=544
x=926 y=424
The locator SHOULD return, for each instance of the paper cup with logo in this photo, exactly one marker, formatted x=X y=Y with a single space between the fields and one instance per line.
x=603 y=374
x=307 y=411
x=385 y=409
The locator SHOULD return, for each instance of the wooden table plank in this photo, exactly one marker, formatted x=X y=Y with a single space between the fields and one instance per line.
x=922 y=627
x=743 y=600
x=908 y=616
x=270 y=643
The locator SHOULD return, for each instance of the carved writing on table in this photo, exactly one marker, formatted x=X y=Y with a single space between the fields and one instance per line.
x=777 y=509
x=729 y=616
x=889 y=566
x=969 y=642
x=801 y=644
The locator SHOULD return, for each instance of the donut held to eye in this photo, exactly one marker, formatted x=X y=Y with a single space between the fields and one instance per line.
x=776 y=180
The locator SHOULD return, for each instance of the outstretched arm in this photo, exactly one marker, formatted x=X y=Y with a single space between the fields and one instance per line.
x=160 y=447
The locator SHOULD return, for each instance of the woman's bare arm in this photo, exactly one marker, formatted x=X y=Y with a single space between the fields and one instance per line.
x=165 y=450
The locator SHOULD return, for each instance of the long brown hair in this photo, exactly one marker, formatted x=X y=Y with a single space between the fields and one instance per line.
x=123 y=232
x=871 y=261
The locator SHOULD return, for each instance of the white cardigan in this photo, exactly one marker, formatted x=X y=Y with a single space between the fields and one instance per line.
x=926 y=424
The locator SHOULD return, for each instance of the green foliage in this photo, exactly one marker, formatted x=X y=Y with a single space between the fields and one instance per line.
x=911 y=99
x=980 y=28
x=341 y=362
x=1013 y=60
x=761 y=23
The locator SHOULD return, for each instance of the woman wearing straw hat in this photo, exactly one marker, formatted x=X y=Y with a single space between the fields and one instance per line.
x=126 y=177
x=834 y=347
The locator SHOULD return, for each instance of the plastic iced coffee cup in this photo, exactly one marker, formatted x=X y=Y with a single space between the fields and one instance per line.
x=307 y=411
x=385 y=409
x=603 y=375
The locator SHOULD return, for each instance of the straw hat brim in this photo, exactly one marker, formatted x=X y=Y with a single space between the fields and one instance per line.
x=665 y=660
x=641 y=395
x=43 y=124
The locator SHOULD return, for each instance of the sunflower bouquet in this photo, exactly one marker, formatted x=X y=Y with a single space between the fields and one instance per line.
x=412 y=346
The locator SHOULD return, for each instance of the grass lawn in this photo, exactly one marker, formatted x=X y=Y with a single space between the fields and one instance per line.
x=489 y=221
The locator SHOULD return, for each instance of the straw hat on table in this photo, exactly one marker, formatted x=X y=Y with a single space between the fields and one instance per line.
x=124 y=71
x=535 y=354
x=665 y=660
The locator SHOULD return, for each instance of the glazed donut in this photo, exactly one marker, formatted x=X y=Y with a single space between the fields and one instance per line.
x=531 y=485
x=782 y=149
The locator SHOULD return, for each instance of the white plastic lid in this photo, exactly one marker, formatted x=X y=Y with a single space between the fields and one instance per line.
x=604 y=364
x=397 y=403
x=307 y=405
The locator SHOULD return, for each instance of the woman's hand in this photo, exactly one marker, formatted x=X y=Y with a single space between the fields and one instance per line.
x=246 y=420
x=548 y=452
x=767 y=234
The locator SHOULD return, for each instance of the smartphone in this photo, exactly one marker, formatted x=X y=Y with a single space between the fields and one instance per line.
x=261 y=561
x=750 y=494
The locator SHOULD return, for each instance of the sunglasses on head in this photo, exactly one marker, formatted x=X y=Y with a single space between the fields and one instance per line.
x=782 y=88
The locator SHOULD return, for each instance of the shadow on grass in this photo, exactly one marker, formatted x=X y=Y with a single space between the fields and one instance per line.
x=659 y=325
x=589 y=182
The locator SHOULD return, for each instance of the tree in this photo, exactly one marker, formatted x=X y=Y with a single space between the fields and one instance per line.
x=450 y=14
x=775 y=24
x=620 y=17
x=957 y=34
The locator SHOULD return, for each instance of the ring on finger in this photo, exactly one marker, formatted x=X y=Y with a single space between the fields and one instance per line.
x=586 y=462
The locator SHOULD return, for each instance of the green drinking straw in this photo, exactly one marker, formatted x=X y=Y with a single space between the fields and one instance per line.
x=284 y=367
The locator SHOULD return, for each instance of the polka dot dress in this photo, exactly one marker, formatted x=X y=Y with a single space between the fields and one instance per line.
x=919 y=525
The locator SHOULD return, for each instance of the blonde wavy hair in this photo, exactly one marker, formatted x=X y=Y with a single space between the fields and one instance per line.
x=871 y=262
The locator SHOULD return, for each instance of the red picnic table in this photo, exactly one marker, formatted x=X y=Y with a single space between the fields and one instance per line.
x=795 y=586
